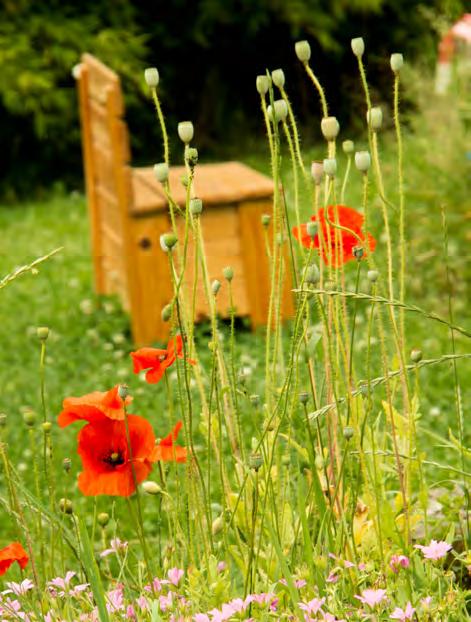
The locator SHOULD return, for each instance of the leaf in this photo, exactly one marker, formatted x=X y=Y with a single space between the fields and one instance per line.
x=92 y=572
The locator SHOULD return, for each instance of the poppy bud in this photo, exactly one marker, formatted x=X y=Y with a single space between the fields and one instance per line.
x=348 y=432
x=65 y=505
x=330 y=128
x=42 y=333
x=29 y=417
x=184 y=181
x=374 y=118
x=263 y=84
x=311 y=228
x=151 y=488
x=358 y=252
x=330 y=167
x=192 y=156
x=311 y=274
x=217 y=525
x=47 y=427
x=362 y=161
x=123 y=391
x=216 y=286
x=317 y=172
x=373 y=276
x=266 y=219
x=358 y=46
x=279 y=111
x=397 y=61
x=303 y=51
x=255 y=461
x=416 y=355
x=166 y=313
x=185 y=131
x=66 y=464
x=151 y=76
x=278 y=78
x=348 y=146
x=3 y=420
x=103 y=519
x=254 y=399
x=196 y=206
x=161 y=172
x=228 y=273
x=168 y=241
x=303 y=397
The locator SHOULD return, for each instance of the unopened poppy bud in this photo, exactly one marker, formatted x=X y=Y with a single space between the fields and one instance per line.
x=303 y=50
x=317 y=172
x=279 y=111
x=3 y=420
x=151 y=76
x=358 y=252
x=42 y=333
x=192 y=156
x=166 y=313
x=416 y=355
x=29 y=417
x=103 y=519
x=278 y=78
x=348 y=146
x=161 y=172
x=66 y=464
x=372 y=276
x=374 y=118
x=303 y=397
x=186 y=131
x=330 y=128
x=255 y=461
x=263 y=84
x=184 y=181
x=311 y=274
x=358 y=46
x=312 y=228
x=151 y=488
x=397 y=61
x=362 y=161
x=216 y=286
x=255 y=399
x=47 y=427
x=266 y=219
x=348 y=432
x=217 y=525
x=228 y=273
x=196 y=206
x=65 y=505
x=168 y=241
x=330 y=167
x=123 y=391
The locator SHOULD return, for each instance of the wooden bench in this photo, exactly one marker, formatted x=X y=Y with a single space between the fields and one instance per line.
x=129 y=212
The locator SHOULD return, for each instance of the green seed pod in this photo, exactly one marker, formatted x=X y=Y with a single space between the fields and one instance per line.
x=362 y=161
x=372 y=276
x=374 y=118
x=317 y=172
x=263 y=84
x=255 y=461
x=123 y=391
x=311 y=274
x=330 y=167
x=397 y=61
x=358 y=252
x=348 y=146
x=47 y=427
x=228 y=273
x=303 y=397
x=161 y=172
x=65 y=505
x=216 y=286
x=166 y=313
x=66 y=464
x=255 y=400
x=151 y=488
x=192 y=156
x=3 y=420
x=196 y=206
x=330 y=128
x=303 y=51
x=416 y=355
x=29 y=417
x=348 y=432
x=103 y=519
x=168 y=241
x=358 y=46
x=42 y=333
x=278 y=78
x=186 y=131
x=151 y=76
x=266 y=219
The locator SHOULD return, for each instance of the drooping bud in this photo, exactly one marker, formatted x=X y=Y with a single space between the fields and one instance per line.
x=123 y=391
x=29 y=417
x=3 y=420
x=362 y=161
x=358 y=46
x=217 y=525
x=312 y=228
x=263 y=84
x=42 y=333
x=47 y=427
x=254 y=399
x=311 y=274
x=303 y=397
x=161 y=172
x=348 y=432
x=255 y=461
x=373 y=276
x=216 y=286
x=151 y=488
x=168 y=241
x=317 y=172
x=196 y=206
x=330 y=128
x=278 y=78
x=348 y=146
x=330 y=167
x=192 y=156
x=151 y=76
x=186 y=131
x=166 y=313
x=279 y=111
x=66 y=464
x=358 y=252
x=228 y=273
x=397 y=61
x=374 y=118
x=416 y=355
x=266 y=219
x=65 y=505
x=303 y=51
x=103 y=519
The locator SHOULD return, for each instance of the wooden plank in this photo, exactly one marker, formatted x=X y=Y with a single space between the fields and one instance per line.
x=101 y=78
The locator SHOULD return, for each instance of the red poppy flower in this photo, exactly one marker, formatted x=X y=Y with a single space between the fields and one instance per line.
x=331 y=236
x=167 y=451
x=156 y=360
x=106 y=460
x=14 y=552
x=93 y=407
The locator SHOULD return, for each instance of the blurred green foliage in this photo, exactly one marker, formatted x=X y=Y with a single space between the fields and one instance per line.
x=208 y=53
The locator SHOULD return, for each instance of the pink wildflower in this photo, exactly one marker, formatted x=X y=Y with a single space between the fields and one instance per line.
x=221 y=567
x=298 y=583
x=399 y=561
x=116 y=546
x=174 y=575
x=115 y=600
x=313 y=606
x=425 y=602
x=435 y=550
x=403 y=614
x=201 y=617
x=19 y=589
x=372 y=597
x=332 y=578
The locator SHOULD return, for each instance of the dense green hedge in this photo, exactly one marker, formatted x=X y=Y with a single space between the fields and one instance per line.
x=208 y=53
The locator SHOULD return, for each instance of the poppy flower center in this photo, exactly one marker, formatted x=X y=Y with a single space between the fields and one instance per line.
x=114 y=459
x=162 y=357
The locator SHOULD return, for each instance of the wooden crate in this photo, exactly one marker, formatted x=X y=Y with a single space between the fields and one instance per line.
x=129 y=212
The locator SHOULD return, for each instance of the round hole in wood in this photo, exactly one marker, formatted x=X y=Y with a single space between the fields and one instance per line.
x=145 y=243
